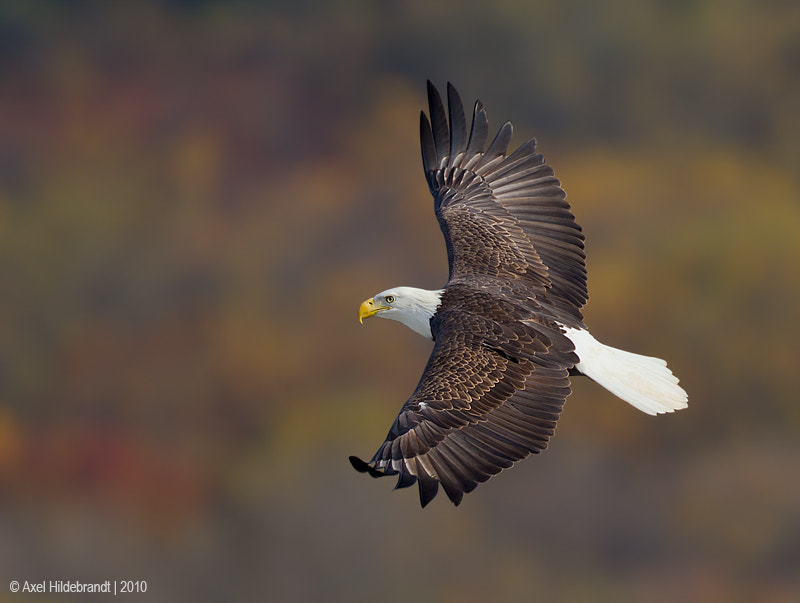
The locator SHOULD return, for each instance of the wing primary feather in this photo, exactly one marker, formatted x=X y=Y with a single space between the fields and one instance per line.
x=429 y=161
x=405 y=479
x=495 y=449
x=458 y=123
x=441 y=135
x=358 y=464
x=499 y=145
x=447 y=478
x=428 y=486
x=465 y=475
x=481 y=465
x=479 y=131
x=364 y=467
x=525 y=151
x=524 y=158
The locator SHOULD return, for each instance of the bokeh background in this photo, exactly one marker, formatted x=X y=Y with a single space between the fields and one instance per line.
x=196 y=196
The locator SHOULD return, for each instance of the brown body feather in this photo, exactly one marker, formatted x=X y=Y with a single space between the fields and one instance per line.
x=498 y=375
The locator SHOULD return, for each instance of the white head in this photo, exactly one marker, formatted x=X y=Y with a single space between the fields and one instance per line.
x=413 y=307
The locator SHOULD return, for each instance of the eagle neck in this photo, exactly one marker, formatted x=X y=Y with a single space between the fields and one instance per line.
x=423 y=306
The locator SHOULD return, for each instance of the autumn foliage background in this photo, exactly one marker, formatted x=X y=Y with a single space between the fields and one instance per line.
x=196 y=196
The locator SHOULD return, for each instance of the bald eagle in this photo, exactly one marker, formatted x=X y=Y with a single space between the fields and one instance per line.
x=507 y=327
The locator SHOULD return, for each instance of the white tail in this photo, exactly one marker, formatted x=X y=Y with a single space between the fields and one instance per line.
x=642 y=381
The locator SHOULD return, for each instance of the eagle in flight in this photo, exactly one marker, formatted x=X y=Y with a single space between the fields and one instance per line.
x=507 y=327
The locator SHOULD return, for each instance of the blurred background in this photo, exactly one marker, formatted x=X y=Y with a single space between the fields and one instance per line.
x=196 y=196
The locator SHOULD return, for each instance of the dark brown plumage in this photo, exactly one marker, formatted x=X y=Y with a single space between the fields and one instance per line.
x=498 y=375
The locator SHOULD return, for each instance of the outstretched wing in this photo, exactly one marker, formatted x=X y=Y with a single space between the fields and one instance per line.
x=501 y=215
x=490 y=395
x=498 y=375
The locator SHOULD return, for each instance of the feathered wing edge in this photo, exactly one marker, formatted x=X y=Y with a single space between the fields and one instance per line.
x=521 y=184
x=468 y=456
x=458 y=438
x=523 y=187
x=445 y=143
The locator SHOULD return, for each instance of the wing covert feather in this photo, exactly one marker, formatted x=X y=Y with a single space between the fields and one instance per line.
x=491 y=394
x=516 y=196
x=498 y=375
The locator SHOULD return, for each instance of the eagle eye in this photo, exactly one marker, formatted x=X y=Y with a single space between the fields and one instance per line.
x=390 y=299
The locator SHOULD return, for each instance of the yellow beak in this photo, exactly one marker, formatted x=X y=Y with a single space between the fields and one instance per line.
x=369 y=308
